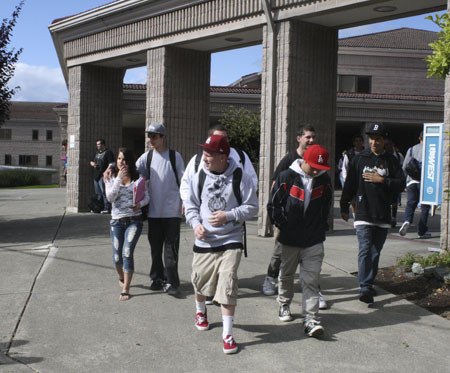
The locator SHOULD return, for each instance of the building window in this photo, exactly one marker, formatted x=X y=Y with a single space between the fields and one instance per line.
x=8 y=159
x=49 y=160
x=28 y=160
x=5 y=133
x=49 y=135
x=35 y=135
x=355 y=83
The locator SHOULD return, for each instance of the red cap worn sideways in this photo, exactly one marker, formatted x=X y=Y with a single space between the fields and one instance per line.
x=317 y=157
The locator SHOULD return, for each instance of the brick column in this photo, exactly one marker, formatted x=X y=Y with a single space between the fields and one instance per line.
x=445 y=208
x=306 y=67
x=95 y=111
x=178 y=95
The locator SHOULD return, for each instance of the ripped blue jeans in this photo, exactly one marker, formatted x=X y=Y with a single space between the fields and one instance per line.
x=125 y=233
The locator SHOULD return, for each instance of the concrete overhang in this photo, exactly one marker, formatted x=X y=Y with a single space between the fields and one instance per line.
x=232 y=34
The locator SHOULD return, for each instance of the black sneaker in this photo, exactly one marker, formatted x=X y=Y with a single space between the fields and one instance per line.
x=366 y=297
x=156 y=285
x=171 y=290
x=312 y=327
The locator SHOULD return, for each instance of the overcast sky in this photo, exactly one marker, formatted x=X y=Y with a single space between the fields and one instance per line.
x=39 y=75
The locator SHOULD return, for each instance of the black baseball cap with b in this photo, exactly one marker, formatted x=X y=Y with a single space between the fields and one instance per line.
x=376 y=129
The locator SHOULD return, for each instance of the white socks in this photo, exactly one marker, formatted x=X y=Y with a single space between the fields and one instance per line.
x=227 y=325
x=200 y=307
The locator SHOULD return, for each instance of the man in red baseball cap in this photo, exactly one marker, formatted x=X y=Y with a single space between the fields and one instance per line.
x=299 y=206
x=216 y=210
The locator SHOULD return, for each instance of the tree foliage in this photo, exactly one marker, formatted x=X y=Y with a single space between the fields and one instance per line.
x=8 y=59
x=243 y=128
x=439 y=61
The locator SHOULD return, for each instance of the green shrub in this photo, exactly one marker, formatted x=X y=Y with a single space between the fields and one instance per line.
x=16 y=178
x=435 y=259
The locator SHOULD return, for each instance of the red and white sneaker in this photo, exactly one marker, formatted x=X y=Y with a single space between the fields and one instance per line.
x=201 y=321
x=229 y=345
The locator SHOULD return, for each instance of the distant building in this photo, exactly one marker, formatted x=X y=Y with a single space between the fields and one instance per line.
x=381 y=77
x=32 y=137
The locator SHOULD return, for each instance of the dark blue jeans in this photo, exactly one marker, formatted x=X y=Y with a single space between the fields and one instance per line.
x=99 y=187
x=164 y=237
x=371 y=240
x=413 y=195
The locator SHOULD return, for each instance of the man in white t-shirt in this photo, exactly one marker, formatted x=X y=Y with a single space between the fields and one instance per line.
x=164 y=213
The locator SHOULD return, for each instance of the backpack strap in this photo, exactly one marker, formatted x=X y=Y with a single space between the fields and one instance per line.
x=241 y=156
x=149 y=162
x=198 y=158
x=173 y=162
x=201 y=183
x=237 y=177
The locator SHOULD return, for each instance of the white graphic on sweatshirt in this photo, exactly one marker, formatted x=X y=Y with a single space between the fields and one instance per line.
x=379 y=170
x=214 y=192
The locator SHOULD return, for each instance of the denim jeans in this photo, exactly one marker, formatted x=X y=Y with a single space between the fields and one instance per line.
x=164 y=238
x=124 y=237
x=99 y=187
x=371 y=240
x=413 y=195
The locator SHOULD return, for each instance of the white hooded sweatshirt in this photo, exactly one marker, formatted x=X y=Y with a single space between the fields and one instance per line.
x=217 y=195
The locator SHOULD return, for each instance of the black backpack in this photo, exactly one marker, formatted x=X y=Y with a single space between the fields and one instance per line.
x=173 y=162
x=414 y=168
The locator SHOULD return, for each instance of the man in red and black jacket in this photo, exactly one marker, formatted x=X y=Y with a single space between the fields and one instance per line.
x=374 y=178
x=299 y=206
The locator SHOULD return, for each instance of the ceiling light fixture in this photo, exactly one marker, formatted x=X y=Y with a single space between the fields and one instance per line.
x=385 y=8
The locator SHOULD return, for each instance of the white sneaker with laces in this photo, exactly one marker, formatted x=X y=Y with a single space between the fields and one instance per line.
x=404 y=228
x=269 y=286
x=322 y=302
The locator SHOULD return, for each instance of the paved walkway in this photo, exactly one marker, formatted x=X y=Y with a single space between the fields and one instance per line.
x=59 y=308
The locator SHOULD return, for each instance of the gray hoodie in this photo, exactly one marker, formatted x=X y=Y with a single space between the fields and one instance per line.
x=218 y=195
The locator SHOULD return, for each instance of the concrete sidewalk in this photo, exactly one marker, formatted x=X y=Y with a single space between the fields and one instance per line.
x=59 y=308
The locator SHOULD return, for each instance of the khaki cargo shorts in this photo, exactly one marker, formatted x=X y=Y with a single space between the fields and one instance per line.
x=215 y=274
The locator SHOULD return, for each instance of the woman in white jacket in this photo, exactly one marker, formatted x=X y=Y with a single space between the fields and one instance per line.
x=127 y=194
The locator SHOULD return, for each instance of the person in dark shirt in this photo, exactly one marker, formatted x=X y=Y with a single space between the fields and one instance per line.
x=100 y=162
x=374 y=178
x=299 y=206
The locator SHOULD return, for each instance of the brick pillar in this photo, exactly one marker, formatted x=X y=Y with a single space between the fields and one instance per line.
x=178 y=95
x=95 y=111
x=445 y=208
x=306 y=68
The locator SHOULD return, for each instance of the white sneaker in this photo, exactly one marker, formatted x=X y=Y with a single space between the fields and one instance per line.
x=284 y=314
x=404 y=228
x=269 y=287
x=322 y=302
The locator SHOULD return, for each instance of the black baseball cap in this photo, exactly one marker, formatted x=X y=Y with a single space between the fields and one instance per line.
x=376 y=129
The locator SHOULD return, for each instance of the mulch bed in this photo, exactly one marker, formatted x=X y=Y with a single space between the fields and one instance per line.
x=428 y=293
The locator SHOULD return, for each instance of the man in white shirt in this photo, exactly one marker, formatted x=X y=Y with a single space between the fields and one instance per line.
x=164 y=213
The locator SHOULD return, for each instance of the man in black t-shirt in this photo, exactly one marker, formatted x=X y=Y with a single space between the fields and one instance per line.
x=306 y=136
x=100 y=162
